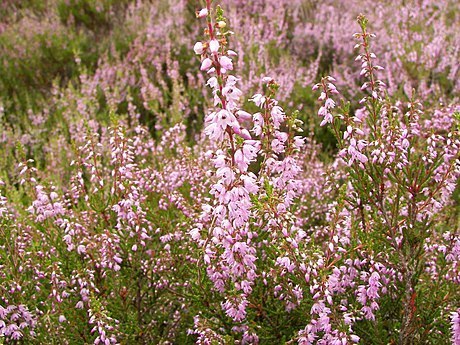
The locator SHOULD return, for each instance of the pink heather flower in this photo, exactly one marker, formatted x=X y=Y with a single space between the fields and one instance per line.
x=258 y=123
x=226 y=63
x=329 y=103
x=225 y=118
x=266 y=80
x=16 y=335
x=258 y=99
x=226 y=175
x=250 y=182
x=214 y=46
x=231 y=93
x=243 y=115
x=277 y=146
x=231 y=80
x=198 y=48
x=354 y=338
x=202 y=13
x=299 y=142
x=327 y=89
x=332 y=89
x=327 y=116
x=212 y=82
x=238 y=313
x=245 y=155
x=242 y=132
x=355 y=154
x=218 y=123
x=455 y=326
x=206 y=64
x=278 y=116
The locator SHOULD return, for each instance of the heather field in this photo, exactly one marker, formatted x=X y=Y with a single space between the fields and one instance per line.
x=230 y=172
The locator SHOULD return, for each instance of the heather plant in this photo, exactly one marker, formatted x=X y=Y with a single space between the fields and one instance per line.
x=402 y=173
x=158 y=190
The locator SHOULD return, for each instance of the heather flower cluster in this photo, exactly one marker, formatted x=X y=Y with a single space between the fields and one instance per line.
x=229 y=172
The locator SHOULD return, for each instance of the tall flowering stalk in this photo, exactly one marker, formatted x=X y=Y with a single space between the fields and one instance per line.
x=229 y=250
x=245 y=203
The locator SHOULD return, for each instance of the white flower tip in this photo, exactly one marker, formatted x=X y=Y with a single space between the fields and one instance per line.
x=198 y=48
x=214 y=46
x=202 y=13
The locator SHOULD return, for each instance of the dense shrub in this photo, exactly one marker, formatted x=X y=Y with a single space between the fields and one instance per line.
x=171 y=176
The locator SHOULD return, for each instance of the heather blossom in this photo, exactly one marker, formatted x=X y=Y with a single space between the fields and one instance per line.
x=233 y=210
x=455 y=320
x=328 y=89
